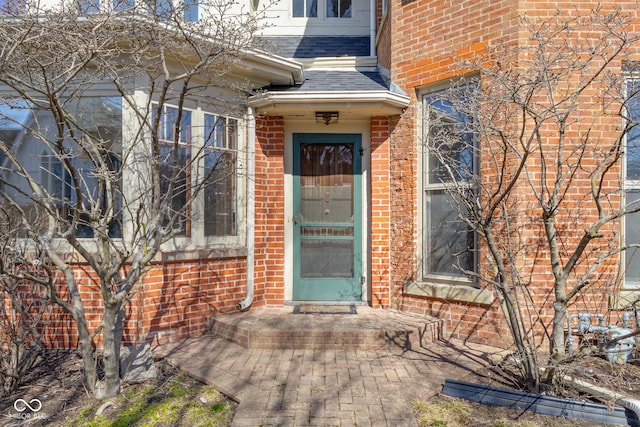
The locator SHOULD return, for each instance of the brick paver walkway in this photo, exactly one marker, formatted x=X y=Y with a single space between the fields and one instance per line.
x=325 y=387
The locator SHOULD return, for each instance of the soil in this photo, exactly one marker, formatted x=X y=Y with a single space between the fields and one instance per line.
x=57 y=382
x=623 y=379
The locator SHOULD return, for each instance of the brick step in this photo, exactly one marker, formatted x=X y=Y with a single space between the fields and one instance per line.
x=369 y=329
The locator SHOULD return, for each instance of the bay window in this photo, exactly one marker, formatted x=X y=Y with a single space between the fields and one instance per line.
x=82 y=176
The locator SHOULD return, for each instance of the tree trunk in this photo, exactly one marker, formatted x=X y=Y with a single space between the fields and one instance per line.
x=86 y=351
x=558 y=348
x=111 y=356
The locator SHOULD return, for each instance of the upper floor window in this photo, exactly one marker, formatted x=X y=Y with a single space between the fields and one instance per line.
x=333 y=8
x=338 y=8
x=305 y=8
x=448 y=157
x=189 y=10
x=631 y=267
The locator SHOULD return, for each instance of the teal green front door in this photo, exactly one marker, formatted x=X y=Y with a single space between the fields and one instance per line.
x=327 y=217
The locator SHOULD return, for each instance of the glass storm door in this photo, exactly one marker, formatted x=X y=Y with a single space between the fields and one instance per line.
x=327 y=213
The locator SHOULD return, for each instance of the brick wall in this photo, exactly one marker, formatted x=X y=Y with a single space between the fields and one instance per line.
x=380 y=212
x=428 y=37
x=270 y=211
x=175 y=301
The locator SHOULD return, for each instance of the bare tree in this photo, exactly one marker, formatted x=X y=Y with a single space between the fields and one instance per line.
x=548 y=126
x=96 y=111
x=23 y=307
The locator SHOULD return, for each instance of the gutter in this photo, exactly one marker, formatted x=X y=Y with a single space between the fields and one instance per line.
x=251 y=208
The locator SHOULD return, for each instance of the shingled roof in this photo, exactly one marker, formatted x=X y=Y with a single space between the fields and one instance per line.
x=336 y=80
x=319 y=47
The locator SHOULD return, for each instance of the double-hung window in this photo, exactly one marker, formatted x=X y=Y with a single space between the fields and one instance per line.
x=631 y=267
x=449 y=165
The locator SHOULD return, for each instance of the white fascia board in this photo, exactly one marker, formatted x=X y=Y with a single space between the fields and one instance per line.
x=341 y=63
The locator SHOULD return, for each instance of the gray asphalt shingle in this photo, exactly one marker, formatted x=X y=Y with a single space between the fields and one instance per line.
x=319 y=47
x=336 y=80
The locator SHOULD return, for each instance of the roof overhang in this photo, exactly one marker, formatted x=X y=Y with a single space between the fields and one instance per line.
x=263 y=69
x=355 y=104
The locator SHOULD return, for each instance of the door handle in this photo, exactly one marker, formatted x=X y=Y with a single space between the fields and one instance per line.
x=295 y=219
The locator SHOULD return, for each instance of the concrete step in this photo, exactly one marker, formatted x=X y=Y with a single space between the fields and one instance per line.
x=367 y=329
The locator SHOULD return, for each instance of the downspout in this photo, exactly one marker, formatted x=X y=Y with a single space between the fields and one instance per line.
x=372 y=16
x=251 y=207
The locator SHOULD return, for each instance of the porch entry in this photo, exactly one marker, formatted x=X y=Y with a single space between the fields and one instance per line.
x=327 y=217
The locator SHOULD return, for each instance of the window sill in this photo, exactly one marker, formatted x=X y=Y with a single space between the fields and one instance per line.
x=215 y=253
x=457 y=293
x=623 y=299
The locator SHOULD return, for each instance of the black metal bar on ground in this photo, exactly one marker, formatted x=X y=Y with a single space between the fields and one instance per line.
x=539 y=404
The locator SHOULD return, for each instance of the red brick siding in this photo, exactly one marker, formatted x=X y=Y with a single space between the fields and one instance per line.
x=380 y=212
x=175 y=301
x=270 y=214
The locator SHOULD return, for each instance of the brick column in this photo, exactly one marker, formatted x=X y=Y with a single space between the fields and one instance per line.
x=380 y=212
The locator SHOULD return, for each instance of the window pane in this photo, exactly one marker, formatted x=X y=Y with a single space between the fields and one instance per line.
x=302 y=8
x=89 y=6
x=173 y=169
x=632 y=236
x=298 y=8
x=220 y=169
x=220 y=193
x=96 y=122
x=160 y=8
x=312 y=8
x=326 y=183
x=338 y=8
x=333 y=8
x=450 y=143
x=345 y=8
x=123 y=5
x=12 y=6
x=633 y=138
x=449 y=241
x=191 y=11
